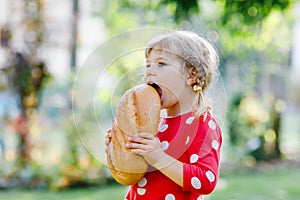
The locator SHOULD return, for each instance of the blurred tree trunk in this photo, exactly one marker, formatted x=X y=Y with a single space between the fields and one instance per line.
x=26 y=72
x=75 y=13
x=275 y=125
x=71 y=130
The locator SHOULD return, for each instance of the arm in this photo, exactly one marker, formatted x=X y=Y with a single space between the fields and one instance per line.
x=173 y=169
x=199 y=174
x=150 y=148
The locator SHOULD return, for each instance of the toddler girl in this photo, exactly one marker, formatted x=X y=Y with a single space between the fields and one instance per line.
x=185 y=155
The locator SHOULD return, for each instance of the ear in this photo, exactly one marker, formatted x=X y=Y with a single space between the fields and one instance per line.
x=190 y=81
x=191 y=77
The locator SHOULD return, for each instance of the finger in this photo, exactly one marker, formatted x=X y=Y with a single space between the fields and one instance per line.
x=138 y=139
x=135 y=146
x=138 y=151
x=108 y=136
x=107 y=141
x=145 y=135
x=108 y=133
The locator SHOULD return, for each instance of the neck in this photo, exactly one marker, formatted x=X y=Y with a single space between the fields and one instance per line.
x=184 y=103
x=179 y=109
x=178 y=114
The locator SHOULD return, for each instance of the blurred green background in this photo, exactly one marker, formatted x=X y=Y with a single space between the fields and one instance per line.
x=45 y=44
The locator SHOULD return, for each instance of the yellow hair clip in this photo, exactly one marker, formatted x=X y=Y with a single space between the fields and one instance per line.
x=197 y=88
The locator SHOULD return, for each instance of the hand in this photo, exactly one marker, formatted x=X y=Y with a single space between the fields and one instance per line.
x=149 y=147
x=107 y=139
x=146 y=145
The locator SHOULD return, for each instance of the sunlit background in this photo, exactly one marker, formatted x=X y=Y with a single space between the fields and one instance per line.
x=45 y=45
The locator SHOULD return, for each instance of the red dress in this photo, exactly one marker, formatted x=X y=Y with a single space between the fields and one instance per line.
x=194 y=141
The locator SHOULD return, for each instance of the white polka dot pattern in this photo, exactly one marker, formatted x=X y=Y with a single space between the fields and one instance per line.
x=194 y=158
x=187 y=139
x=163 y=128
x=164 y=145
x=196 y=183
x=215 y=144
x=212 y=125
x=210 y=176
x=141 y=191
x=189 y=120
x=170 y=197
x=142 y=182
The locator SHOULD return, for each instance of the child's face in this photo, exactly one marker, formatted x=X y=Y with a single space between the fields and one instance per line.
x=165 y=70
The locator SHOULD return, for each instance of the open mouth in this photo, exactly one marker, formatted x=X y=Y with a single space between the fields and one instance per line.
x=157 y=88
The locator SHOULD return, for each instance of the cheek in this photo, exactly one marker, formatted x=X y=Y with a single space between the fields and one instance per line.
x=173 y=84
x=169 y=98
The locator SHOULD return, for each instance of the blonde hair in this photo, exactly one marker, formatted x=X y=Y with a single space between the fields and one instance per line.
x=200 y=60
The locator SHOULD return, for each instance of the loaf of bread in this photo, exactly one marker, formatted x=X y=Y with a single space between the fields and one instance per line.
x=138 y=111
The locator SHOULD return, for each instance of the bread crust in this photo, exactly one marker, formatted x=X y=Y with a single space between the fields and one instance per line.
x=138 y=111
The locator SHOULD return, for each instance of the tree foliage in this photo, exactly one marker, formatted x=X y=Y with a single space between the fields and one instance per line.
x=247 y=11
x=183 y=9
x=251 y=11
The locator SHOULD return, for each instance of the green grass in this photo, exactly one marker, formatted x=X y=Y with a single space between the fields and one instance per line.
x=273 y=184
x=111 y=192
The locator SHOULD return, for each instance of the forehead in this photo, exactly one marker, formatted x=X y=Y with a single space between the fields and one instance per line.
x=159 y=53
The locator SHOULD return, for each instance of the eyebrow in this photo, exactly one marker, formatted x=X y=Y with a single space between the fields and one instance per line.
x=159 y=58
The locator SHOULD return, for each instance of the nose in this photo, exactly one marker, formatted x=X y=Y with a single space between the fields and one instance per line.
x=150 y=70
